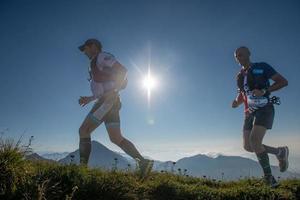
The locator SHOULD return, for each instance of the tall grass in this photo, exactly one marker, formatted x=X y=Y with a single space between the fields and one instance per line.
x=23 y=179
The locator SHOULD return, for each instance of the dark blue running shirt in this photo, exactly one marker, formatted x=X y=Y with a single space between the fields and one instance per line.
x=259 y=75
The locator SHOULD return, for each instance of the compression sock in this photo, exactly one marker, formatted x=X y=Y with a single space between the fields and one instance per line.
x=264 y=162
x=271 y=150
x=84 y=150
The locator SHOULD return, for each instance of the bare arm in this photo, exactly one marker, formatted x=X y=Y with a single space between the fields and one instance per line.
x=237 y=101
x=279 y=82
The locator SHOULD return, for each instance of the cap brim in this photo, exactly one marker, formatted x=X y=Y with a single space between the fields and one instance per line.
x=81 y=47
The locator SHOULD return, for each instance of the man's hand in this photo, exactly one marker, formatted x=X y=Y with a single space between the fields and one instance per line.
x=85 y=100
x=235 y=104
x=238 y=101
x=258 y=93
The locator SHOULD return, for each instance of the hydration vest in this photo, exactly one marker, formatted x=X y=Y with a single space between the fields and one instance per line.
x=104 y=75
x=256 y=79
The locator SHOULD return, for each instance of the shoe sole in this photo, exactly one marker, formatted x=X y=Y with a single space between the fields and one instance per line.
x=285 y=159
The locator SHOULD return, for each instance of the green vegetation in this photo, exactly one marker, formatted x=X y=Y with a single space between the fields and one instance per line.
x=23 y=179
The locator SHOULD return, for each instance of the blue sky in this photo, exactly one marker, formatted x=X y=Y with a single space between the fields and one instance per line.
x=190 y=45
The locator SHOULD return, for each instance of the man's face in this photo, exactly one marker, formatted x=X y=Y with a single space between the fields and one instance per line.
x=242 y=56
x=90 y=51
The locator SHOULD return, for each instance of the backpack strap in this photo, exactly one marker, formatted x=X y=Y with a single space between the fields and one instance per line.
x=240 y=81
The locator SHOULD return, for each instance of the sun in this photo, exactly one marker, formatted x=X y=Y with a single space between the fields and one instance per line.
x=149 y=82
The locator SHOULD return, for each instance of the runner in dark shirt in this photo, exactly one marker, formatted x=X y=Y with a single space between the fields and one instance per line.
x=254 y=90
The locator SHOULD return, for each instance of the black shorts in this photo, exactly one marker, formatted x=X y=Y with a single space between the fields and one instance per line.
x=112 y=118
x=262 y=117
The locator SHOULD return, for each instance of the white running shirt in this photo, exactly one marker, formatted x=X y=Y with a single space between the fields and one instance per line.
x=99 y=88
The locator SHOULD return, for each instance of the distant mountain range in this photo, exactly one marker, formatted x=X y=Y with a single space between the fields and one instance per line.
x=54 y=155
x=225 y=167
x=35 y=156
x=220 y=167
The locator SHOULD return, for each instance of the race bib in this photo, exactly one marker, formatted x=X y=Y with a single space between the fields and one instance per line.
x=254 y=102
x=257 y=102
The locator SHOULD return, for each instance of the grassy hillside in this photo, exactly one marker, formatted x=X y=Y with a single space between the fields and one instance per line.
x=23 y=179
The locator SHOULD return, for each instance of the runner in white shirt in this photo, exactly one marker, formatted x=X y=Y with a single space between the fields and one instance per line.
x=107 y=78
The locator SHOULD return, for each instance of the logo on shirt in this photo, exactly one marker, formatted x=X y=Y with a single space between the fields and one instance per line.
x=258 y=71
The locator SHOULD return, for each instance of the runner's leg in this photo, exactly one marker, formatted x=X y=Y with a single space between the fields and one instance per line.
x=87 y=127
x=112 y=123
x=257 y=134
x=271 y=150
x=128 y=147
x=246 y=140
